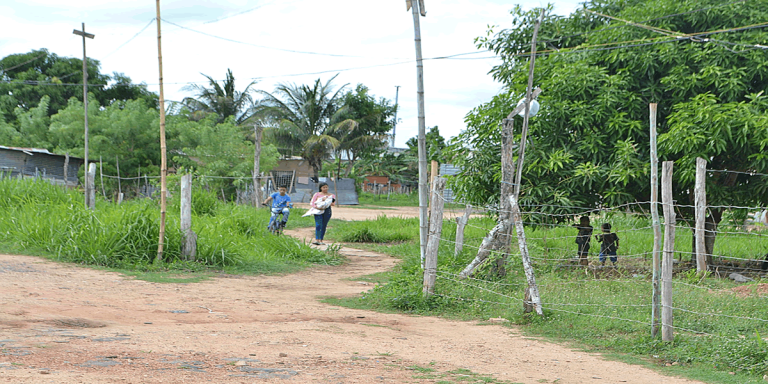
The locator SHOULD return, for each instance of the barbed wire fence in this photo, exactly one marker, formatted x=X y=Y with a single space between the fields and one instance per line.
x=620 y=293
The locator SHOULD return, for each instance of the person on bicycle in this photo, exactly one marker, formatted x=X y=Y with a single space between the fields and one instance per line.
x=281 y=203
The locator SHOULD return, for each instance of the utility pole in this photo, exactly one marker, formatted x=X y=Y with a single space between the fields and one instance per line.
x=88 y=202
x=394 y=125
x=417 y=8
x=163 y=161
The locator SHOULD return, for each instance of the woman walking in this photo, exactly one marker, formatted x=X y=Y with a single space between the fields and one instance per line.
x=322 y=201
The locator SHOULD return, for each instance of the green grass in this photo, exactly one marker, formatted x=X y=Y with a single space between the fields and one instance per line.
x=41 y=219
x=394 y=199
x=599 y=310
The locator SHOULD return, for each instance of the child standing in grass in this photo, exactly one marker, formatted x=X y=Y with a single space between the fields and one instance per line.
x=610 y=244
x=582 y=239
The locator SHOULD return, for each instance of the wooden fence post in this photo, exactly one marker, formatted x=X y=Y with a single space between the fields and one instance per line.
x=656 y=256
x=461 y=222
x=91 y=186
x=189 y=238
x=435 y=232
x=532 y=299
x=701 y=208
x=669 y=251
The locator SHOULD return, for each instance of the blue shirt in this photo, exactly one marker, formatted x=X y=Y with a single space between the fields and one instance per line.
x=280 y=201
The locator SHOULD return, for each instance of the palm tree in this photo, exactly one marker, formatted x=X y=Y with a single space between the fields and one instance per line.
x=304 y=117
x=222 y=99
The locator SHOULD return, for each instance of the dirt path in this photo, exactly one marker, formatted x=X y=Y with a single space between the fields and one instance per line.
x=67 y=324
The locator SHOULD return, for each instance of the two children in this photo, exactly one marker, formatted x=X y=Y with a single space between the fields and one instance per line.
x=608 y=248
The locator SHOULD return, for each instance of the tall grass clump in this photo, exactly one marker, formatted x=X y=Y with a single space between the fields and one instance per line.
x=40 y=218
x=381 y=230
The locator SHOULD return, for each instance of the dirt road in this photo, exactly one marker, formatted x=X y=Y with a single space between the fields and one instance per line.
x=68 y=324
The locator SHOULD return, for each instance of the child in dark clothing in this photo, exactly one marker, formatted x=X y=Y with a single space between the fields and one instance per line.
x=610 y=243
x=583 y=238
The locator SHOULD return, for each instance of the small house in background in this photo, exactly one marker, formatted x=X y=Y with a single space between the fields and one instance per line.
x=39 y=163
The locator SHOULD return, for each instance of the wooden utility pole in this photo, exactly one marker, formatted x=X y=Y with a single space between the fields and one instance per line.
x=258 y=130
x=163 y=160
x=656 y=299
x=435 y=232
x=669 y=251
x=85 y=35
x=417 y=8
x=701 y=211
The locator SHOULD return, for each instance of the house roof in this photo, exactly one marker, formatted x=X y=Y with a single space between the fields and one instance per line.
x=32 y=151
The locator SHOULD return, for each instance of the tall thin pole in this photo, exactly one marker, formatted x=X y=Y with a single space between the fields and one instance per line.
x=88 y=186
x=656 y=298
x=423 y=187
x=528 y=92
x=163 y=162
x=394 y=124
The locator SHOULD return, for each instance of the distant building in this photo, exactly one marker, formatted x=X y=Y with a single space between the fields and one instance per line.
x=36 y=162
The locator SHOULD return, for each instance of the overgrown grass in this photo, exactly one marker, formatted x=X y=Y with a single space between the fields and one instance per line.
x=599 y=309
x=39 y=218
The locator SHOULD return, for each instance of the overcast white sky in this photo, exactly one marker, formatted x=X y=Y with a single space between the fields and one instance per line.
x=346 y=33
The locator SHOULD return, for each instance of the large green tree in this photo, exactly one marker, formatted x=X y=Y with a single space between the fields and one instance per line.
x=589 y=146
x=25 y=78
x=303 y=119
x=369 y=137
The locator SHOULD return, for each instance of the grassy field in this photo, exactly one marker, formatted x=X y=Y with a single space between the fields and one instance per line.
x=719 y=334
x=46 y=220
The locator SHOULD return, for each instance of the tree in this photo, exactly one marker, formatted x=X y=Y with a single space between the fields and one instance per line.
x=217 y=149
x=303 y=117
x=435 y=144
x=26 y=77
x=589 y=144
x=369 y=136
x=221 y=99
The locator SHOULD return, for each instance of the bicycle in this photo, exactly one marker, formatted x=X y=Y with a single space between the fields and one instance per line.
x=277 y=221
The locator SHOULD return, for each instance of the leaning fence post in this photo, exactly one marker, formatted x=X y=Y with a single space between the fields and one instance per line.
x=435 y=232
x=701 y=208
x=461 y=222
x=669 y=251
x=189 y=238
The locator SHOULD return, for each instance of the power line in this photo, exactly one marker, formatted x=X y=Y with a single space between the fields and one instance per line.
x=24 y=63
x=646 y=21
x=239 y=13
x=260 y=46
x=131 y=39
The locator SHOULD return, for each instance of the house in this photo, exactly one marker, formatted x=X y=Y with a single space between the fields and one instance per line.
x=39 y=163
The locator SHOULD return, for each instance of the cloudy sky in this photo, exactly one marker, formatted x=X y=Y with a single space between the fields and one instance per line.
x=288 y=41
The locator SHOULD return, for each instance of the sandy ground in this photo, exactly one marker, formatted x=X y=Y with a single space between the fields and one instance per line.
x=68 y=324
x=352 y=212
